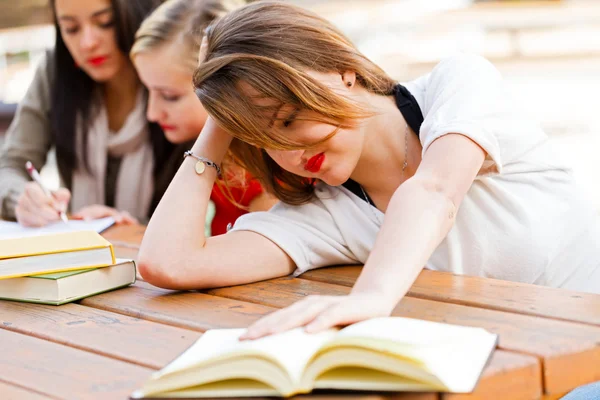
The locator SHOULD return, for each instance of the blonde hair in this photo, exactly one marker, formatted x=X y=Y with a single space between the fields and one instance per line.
x=271 y=47
x=180 y=22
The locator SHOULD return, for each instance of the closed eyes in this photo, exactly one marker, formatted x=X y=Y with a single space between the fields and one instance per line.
x=288 y=121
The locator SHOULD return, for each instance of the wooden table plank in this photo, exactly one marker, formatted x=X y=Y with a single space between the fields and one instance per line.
x=190 y=310
x=126 y=234
x=11 y=392
x=126 y=252
x=64 y=372
x=136 y=341
x=486 y=293
x=570 y=351
x=280 y=292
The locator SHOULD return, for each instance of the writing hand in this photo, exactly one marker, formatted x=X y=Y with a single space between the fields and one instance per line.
x=36 y=208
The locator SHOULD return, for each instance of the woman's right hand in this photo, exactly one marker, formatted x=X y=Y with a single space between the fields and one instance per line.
x=35 y=208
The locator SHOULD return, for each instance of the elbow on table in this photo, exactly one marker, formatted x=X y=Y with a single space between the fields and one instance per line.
x=173 y=274
x=158 y=271
x=154 y=272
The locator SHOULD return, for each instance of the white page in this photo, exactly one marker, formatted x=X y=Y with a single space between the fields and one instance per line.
x=292 y=349
x=455 y=354
x=10 y=230
x=409 y=331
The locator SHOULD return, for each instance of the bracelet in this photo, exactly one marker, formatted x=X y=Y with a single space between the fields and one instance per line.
x=202 y=162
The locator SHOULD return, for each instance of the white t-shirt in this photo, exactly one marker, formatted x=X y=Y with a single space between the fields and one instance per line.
x=524 y=219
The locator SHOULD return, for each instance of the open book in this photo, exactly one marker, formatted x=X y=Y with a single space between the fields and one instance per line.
x=380 y=354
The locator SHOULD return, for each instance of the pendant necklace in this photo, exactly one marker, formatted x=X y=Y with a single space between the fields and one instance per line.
x=404 y=165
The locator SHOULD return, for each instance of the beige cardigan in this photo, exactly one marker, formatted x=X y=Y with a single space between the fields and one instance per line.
x=29 y=137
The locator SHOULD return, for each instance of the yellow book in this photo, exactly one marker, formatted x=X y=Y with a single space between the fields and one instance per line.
x=380 y=354
x=57 y=252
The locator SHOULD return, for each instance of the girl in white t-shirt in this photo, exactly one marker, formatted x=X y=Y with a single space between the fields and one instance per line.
x=443 y=172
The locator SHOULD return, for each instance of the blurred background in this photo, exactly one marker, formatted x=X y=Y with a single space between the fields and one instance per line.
x=547 y=50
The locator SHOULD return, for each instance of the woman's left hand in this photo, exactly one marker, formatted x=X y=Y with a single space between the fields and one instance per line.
x=318 y=313
x=97 y=211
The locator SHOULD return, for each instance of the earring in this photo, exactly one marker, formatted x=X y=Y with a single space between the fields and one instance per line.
x=349 y=84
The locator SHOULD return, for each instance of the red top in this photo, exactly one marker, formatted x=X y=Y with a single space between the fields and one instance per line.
x=227 y=212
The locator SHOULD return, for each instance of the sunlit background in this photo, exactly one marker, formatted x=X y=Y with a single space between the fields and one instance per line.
x=548 y=52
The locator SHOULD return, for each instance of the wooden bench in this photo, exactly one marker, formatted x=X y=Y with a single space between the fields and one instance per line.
x=105 y=346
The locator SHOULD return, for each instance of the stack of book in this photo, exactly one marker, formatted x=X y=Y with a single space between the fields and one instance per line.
x=58 y=268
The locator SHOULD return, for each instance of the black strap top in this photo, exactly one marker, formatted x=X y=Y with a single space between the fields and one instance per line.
x=408 y=106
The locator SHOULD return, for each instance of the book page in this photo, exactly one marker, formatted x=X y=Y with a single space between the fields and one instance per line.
x=409 y=331
x=292 y=349
x=455 y=354
x=13 y=230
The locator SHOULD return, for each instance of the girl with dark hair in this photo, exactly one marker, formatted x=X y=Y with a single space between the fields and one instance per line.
x=444 y=172
x=87 y=101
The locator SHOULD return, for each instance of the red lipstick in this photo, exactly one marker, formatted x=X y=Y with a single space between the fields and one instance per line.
x=97 y=61
x=314 y=163
x=168 y=127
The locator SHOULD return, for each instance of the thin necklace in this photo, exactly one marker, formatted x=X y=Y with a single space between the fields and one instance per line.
x=404 y=165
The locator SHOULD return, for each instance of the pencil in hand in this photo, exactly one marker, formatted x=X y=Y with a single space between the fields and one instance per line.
x=35 y=175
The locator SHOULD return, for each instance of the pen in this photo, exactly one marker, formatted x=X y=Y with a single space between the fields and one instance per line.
x=35 y=175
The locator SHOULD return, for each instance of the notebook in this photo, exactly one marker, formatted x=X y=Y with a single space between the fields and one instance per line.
x=380 y=354
x=64 y=287
x=9 y=230
x=57 y=252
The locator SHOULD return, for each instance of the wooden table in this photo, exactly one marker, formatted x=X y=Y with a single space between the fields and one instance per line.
x=105 y=346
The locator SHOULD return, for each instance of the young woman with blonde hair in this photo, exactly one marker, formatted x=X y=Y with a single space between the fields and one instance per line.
x=444 y=172
x=165 y=54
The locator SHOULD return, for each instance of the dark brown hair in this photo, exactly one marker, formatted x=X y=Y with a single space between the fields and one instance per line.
x=270 y=47
x=72 y=94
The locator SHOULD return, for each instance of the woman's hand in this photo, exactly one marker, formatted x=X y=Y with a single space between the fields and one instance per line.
x=35 y=208
x=97 y=211
x=318 y=313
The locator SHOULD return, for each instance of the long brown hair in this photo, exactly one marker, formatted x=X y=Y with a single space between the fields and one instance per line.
x=270 y=47
x=72 y=91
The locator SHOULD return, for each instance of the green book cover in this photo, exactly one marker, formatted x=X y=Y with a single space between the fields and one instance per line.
x=58 y=275
x=68 y=300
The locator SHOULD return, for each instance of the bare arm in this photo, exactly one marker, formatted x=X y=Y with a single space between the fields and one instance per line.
x=175 y=253
x=427 y=205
